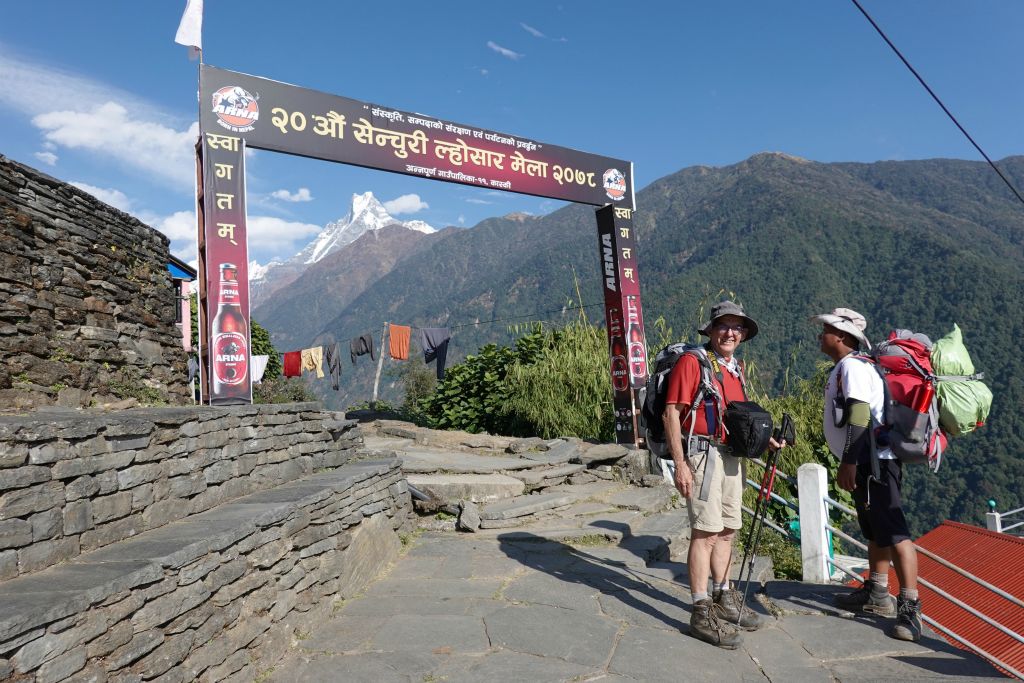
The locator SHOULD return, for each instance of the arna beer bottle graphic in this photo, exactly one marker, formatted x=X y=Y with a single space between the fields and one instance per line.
x=230 y=343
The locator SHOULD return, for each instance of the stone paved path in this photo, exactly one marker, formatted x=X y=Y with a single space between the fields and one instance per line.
x=462 y=608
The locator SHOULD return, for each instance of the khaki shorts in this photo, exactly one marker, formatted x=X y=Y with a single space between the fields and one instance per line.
x=722 y=509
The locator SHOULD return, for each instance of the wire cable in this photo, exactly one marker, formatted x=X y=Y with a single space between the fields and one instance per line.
x=938 y=101
x=563 y=309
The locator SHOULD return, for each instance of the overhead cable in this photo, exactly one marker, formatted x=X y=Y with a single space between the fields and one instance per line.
x=937 y=100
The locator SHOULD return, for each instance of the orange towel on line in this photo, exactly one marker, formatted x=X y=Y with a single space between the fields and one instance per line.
x=398 y=341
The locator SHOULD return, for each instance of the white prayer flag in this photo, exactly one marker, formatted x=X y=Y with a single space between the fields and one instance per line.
x=190 y=30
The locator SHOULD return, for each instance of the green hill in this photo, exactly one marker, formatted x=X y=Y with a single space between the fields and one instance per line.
x=916 y=244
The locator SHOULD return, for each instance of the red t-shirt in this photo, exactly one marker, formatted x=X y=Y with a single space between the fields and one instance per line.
x=682 y=387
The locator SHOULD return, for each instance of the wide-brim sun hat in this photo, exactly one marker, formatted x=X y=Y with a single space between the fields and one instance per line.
x=846 y=320
x=724 y=308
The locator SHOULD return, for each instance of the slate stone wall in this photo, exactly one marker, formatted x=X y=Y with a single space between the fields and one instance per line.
x=80 y=480
x=86 y=303
x=216 y=597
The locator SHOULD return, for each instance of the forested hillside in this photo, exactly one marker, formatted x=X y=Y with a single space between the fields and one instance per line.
x=918 y=244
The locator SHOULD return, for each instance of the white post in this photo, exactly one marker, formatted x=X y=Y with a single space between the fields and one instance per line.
x=380 y=364
x=812 y=484
x=993 y=522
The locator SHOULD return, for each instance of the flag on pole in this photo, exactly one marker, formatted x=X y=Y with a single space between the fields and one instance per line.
x=190 y=30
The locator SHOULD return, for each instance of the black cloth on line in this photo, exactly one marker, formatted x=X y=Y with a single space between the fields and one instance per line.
x=332 y=359
x=434 y=341
x=361 y=345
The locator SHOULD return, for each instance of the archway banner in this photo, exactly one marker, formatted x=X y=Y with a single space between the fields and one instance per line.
x=277 y=116
x=627 y=342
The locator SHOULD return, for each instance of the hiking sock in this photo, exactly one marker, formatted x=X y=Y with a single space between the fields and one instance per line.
x=880 y=579
x=721 y=586
x=697 y=597
x=908 y=593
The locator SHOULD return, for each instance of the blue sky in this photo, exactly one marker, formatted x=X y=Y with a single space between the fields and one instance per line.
x=98 y=94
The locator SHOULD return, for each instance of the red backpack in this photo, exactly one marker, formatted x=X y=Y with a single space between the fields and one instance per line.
x=910 y=419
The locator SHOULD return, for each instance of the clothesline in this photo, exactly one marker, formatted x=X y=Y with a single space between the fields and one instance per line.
x=497 y=320
x=433 y=340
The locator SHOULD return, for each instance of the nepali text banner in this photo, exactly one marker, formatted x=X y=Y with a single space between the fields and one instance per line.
x=286 y=118
x=627 y=347
x=225 y=248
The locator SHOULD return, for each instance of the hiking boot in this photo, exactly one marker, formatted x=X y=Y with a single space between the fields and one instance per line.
x=870 y=598
x=706 y=624
x=729 y=600
x=908 y=620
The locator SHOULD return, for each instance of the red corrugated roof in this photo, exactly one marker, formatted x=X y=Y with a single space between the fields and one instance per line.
x=990 y=556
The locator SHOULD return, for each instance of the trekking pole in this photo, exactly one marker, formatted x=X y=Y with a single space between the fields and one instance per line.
x=787 y=433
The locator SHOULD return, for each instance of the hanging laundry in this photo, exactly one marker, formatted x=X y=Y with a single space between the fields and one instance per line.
x=192 y=366
x=435 y=346
x=362 y=345
x=292 y=364
x=398 y=341
x=313 y=359
x=258 y=367
x=332 y=358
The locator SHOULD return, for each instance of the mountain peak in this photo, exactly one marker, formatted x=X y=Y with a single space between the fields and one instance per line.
x=365 y=213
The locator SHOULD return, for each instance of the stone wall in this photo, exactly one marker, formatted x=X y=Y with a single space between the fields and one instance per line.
x=216 y=597
x=86 y=302
x=76 y=481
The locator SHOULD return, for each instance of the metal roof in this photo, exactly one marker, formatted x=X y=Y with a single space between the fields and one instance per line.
x=992 y=557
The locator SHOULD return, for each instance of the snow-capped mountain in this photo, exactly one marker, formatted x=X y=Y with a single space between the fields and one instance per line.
x=366 y=214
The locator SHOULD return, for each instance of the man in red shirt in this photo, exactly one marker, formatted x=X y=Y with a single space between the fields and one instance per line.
x=707 y=476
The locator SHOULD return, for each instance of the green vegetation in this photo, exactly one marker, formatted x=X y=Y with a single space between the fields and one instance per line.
x=261 y=345
x=128 y=383
x=552 y=383
x=61 y=355
x=275 y=387
x=917 y=244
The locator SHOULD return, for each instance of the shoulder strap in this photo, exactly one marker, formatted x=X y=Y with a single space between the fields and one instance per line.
x=709 y=370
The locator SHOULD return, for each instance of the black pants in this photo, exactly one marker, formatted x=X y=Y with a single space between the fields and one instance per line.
x=880 y=508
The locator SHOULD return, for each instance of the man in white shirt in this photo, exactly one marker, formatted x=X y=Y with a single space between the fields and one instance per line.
x=854 y=408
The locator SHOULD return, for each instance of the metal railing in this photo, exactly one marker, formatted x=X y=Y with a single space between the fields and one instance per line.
x=994 y=520
x=927 y=584
x=819 y=565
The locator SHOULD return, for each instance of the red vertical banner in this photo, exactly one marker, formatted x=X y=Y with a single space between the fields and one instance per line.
x=627 y=345
x=226 y=258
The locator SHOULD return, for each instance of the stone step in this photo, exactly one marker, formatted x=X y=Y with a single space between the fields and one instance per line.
x=521 y=506
x=655 y=499
x=204 y=597
x=426 y=460
x=479 y=488
x=560 y=452
x=547 y=476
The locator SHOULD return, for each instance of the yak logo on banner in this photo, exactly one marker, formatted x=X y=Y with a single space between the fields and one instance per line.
x=614 y=184
x=236 y=109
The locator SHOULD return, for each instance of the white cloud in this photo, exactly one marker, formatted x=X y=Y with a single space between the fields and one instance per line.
x=48 y=158
x=301 y=195
x=478 y=201
x=77 y=112
x=462 y=219
x=278 y=235
x=180 y=225
x=109 y=130
x=504 y=51
x=266 y=234
x=115 y=198
x=407 y=203
x=532 y=31
x=34 y=88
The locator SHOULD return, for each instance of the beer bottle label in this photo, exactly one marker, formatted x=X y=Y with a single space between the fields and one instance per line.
x=231 y=358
